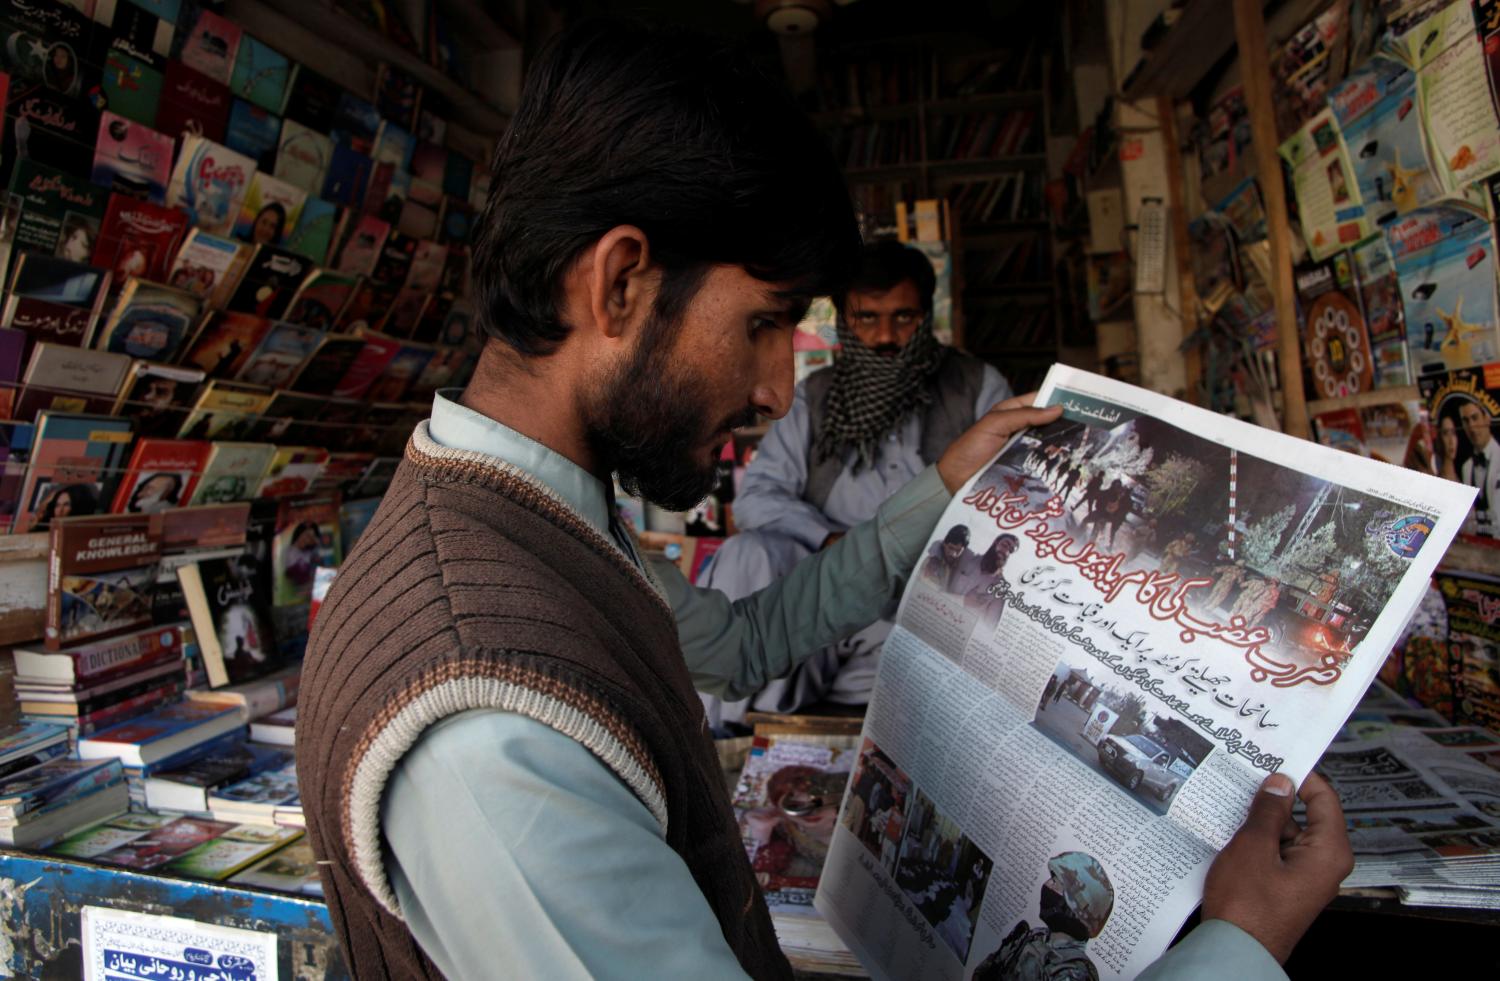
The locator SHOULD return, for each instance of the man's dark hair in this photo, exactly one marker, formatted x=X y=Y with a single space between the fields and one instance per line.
x=676 y=133
x=957 y=535
x=885 y=265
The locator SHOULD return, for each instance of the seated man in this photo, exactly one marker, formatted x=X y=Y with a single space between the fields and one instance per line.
x=856 y=433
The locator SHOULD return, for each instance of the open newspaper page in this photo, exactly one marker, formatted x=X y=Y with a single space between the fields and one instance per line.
x=1119 y=629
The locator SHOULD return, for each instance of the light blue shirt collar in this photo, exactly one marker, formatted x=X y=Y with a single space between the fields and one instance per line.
x=459 y=427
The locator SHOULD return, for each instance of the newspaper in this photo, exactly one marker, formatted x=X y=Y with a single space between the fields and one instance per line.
x=1120 y=627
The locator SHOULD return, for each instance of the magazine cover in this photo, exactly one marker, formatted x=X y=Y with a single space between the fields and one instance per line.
x=75 y=460
x=157 y=397
x=1393 y=432
x=231 y=617
x=1464 y=409
x=47 y=44
x=138 y=238
x=1328 y=203
x=223 y=411
x=208 y=44
x=60 y=214
x=101 y=573
x=130 y=87
x=303 y=156
x=162 y=474
x=313 y=236
x=1133 y=615
x=225 y=343
x=1471 y=641
x=192 y=104
x=307 y=536
x=206 y=263
x=1385 y=321
x=111 y=834
x=1376 y=108
x=271 y=211
x=260 y=74
x=1445 y=264
x=150 y=321
x=254 y=132
x=132 y=159
x=1334 y=339
x=209 y=183
x=1458 y=114
x=280 y=356
x=233 y=472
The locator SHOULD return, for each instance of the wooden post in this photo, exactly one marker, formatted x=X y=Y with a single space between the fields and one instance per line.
x=1187 y=291
x=1255 y=70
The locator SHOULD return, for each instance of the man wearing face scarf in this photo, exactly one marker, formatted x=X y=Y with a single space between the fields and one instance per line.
x=855 y=434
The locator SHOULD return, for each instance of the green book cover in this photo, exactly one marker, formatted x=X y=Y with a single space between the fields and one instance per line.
x=231 y=852
x=60 y=214
x=131 y=88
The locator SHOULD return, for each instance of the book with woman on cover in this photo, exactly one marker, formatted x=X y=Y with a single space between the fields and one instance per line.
x=1119 y=628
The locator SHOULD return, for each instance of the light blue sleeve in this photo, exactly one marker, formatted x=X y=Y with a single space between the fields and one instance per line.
x=733 y=648
x=1215 y=949
x=513 y=851
x=994 y=387
x=770 y=496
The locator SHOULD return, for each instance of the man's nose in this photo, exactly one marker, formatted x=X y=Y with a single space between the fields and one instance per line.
x=772 y=396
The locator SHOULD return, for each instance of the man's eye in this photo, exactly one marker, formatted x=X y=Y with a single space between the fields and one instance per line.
x=761 y=324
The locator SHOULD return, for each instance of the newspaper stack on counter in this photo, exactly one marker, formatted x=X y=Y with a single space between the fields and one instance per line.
x=1422 y=799
x=1118 y=630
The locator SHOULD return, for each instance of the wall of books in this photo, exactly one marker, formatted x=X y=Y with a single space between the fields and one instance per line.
x=231 y=287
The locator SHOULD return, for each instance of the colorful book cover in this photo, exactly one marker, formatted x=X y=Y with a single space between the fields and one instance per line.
x=223 y=412
x=1328 y=203
x=1445 y=264
x=355 y=122
x=426 y=270
x=154 y=847
x=321 y=298
x=394 y=144
x=138 y=238
x=60 y=213
x=41 y=321
x=129 y=26
x=270 y=787
x=312 y=100
x=63 y=378
x=206 y=264
x=233 y=472
x=162 y=474
x=260 y=74
x=50 y=128
x=359 y=253
x=232 y=852
x=150 y=321
x=58 y=280
x=1458 y=115
x=348 y=176
x=209 y=44
x=280 y=356
x=157 y=397
x=114 y=833
x=303 y=156
x=226 y=342
x=132 y=158
x=328 y=364
x=1380 y=300
x=210 y=183
x=253 y=131
x=231 y=618
x=192 y=104
x=292 y=471
x=373 y=359
x=131 y=87
x=54 y=784
x=292 y=869
x=75 y=459
x=100 y=576
x=1463 y=407
x=270 y=282
x=355 y=517
x=307 y=536
x=339 y=474
x=271 y=210
x=46 y=43
x=313 y=236
x=401 y=373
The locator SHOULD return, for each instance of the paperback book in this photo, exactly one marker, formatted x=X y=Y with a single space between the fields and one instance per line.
x=303 y=156
x=231 y=619
x=163 y=733
x=63 y=378
x=225 y=343
x=232 y=852
x=162 y=474
x=233 y=472
x=222 y=412
x=75 y=461
x=150 y=321
x=210 y=183
x=280 y=355
x=271 y=210
x=158 y=397
x=60 y=213
x=132 y=159
x=208 y=265
x=260 y=74
x=192 y=104
x=101 y=570
x=138 y=238
x=292 y=471
x=254 y=132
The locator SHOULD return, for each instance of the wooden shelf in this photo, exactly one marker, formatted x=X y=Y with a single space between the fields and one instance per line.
x=1203 y=34
x=1378 y=397
x=277 y=21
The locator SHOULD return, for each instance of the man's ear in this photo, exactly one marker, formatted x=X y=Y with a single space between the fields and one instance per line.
x=621 y=280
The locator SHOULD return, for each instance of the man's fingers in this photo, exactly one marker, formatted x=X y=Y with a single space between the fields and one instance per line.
x=1269 y=812
x=1323 y=809
x=1004 y=422
x=1016 y=402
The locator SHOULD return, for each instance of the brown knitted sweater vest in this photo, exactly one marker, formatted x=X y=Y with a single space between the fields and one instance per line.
x=476 y=587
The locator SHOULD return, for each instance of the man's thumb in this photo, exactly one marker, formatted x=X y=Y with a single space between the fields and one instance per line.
x=1269 y=813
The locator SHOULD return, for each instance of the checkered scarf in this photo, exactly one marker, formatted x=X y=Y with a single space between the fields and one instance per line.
x=872 y=394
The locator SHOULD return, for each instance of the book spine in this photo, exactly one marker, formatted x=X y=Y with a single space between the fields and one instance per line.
x=55 y=751
x=52 y=633
x=92 y=722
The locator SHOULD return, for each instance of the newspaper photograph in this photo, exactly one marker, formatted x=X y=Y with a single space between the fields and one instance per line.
x=1119 y=629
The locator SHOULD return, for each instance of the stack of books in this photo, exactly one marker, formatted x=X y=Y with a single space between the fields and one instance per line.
x=100 y=683
x=187 y=788
x=170 y=737
x=40 y=805
x=267 y=798
x=175 y=844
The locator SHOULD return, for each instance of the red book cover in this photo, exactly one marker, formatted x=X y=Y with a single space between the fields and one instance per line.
x=161 y=475
x=99 y=661
x=192 y=104
x=205 y=526
x=138 y=239
x=226 y=342
x=55 y=323
x=101 y=571
x=370 y=365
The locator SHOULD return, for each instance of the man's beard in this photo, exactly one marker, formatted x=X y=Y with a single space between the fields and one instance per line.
x=649 y=425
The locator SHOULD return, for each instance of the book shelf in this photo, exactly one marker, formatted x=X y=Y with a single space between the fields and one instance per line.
x=922 y=120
